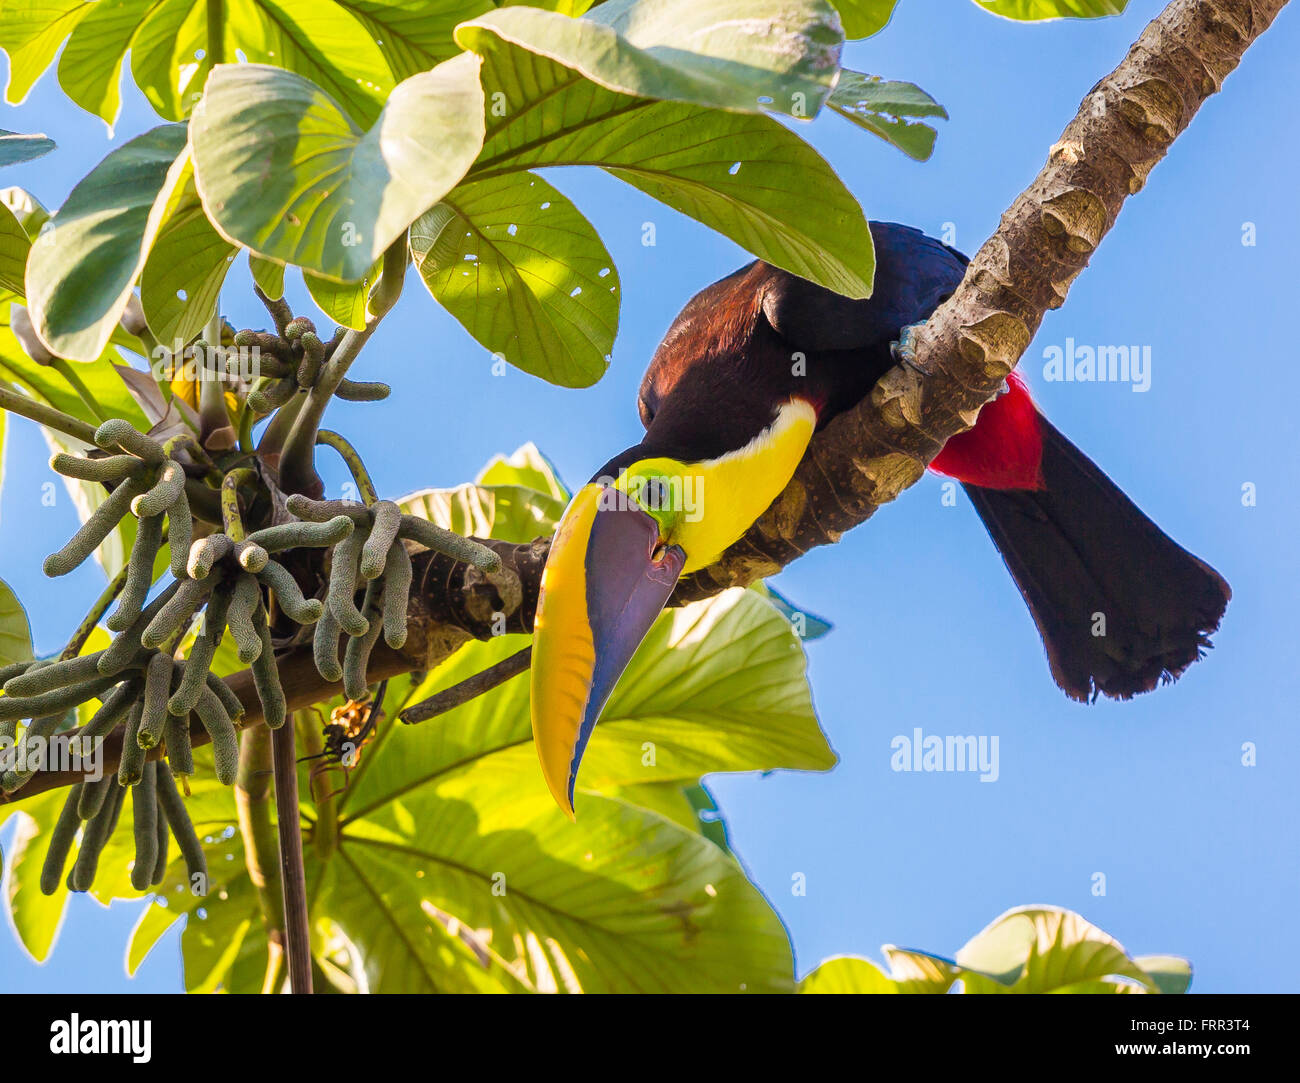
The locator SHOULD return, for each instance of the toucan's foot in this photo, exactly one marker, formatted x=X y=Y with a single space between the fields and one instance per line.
x=904 y=350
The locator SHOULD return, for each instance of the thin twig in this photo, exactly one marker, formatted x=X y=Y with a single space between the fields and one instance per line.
x=293 y=875
x=471 y=687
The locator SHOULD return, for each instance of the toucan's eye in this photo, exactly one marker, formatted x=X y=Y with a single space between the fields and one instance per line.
x=653 y=493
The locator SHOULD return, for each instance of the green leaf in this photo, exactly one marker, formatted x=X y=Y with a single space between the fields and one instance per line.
x=525 y=466
x=882 y=108
x=848 y=974
x=14 y=246
x=31 y=32
x=186 y=265
x=26 y=208
x=1033 y=10
x=512 y=513
x=343 y=302
x=283 y=171
x=744 y=175
x=862 y=18
x=268 y=275
x=1031 y=949
x=806 y=625
x=753 y=55
x=15 y=630
x=337 y=44
x=525 y=273
x=83 y=266
x=36 y=918
x=15 y=148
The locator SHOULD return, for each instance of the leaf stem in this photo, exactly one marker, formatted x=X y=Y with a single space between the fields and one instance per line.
x=470 y=688
x=65 y=369
x=46 y=415
x=253 y=810
x=216 y=32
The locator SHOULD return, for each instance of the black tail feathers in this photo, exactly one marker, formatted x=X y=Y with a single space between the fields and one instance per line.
x=1120 y=606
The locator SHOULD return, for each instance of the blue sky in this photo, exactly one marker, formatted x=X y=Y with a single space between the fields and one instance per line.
x=1197 y=850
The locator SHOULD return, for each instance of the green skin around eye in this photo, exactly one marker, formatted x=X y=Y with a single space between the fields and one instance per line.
x=666 y=517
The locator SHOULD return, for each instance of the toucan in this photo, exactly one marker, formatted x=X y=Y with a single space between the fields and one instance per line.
x=750 y=369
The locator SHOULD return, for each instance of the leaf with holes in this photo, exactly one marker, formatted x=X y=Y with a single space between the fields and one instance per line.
x=283 y=171
x=525 y=273
x=882 y=108
x=742 y=174
x=186 y=265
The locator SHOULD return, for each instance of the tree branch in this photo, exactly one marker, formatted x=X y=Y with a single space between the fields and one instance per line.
x=865 y=457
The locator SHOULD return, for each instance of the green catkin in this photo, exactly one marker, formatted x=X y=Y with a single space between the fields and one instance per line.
x=180 y=534
x=139 y=573
x=57 y=702
x=14 y=669
x=434 y=537
x=226 y=694
x=387 y=519
x=362 y=391
x=93 y=531
x=111 y=709
x=245 y=598
x=325 y=647
x=356 y=655
x=144 y=810
x=251 y=556
x=267 y=343
x=275 y=539
x=180 y=752
x=165 y=492
x=289 y=595
x=397 y=590
x=55 y=675
x=119 y=433
x=38 y=728
x=92 y=796
x=271 y=396
x=201 y=652
x=173 y=808
x=225 y=742
x=266 y=677
x=322 y=511
x=313 y=354
x=65 y=830
x=177 y=612
x=130 y=767
x=114 y=468
x=205 y=553
x=160 y=830
x=94 y=838
x=157 y=688
x=341 y=594
x=127 y=646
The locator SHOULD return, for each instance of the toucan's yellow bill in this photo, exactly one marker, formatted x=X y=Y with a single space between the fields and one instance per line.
x=606 y=579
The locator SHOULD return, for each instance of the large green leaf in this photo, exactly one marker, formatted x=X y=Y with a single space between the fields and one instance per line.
x=15 y=148
x=512 y=513
x=744 y=175
x=883 y=108
x=36 y=917
x=82 y=267
x=1033 y=10
x=343 y=302
x=1031 y=949
x=751 y=55
x=525 y=466
x=862 y=18
x=14 y=247
x=186 y=264
x=15 y=630
x=283 y=171
x=353 y=48
x=525 y=273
